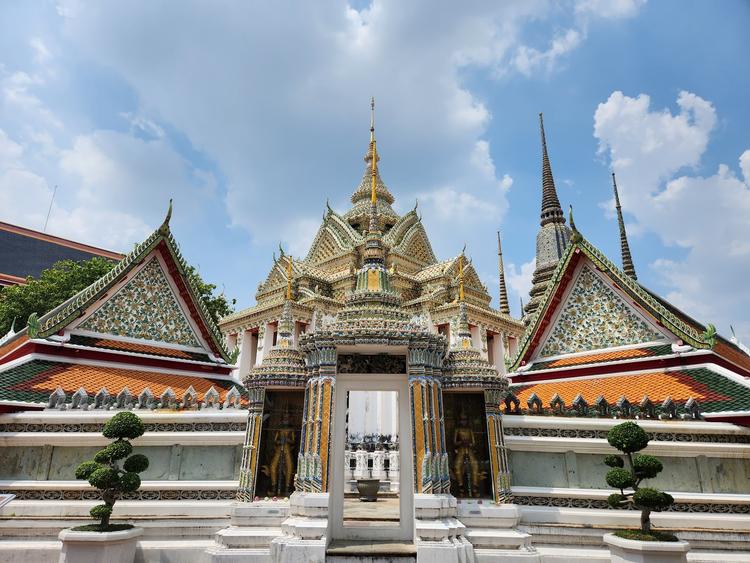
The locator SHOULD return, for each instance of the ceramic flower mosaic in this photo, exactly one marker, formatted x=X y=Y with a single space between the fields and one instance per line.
x=130 y=312
x=594 y=317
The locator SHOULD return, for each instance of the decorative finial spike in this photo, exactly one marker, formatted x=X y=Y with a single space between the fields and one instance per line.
x=570 y=219
x=551 y=210
x=164 y=228
x=627 y=258
x=289 y=278
x=503 y=304
x=461 y=275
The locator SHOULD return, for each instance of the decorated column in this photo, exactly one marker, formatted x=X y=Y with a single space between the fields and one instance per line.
x=251 y=448
x=498 y=451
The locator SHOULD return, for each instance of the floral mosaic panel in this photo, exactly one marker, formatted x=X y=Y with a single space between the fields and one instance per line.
x=595 y=317
x=145 y=307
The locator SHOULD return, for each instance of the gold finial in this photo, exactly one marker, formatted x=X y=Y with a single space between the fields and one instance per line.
x=372 y=119
x=461 y=277
x=289 y=277
x=374 y=162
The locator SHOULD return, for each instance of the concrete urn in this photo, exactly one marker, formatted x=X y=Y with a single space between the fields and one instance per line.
x=368 y=489
x=623 y=550
x=96 y=547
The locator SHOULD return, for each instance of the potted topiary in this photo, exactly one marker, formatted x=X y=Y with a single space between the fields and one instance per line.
x=103 y=541
x=644 y=544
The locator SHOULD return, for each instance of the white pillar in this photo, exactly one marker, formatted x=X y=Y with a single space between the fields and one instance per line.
x=498 y=353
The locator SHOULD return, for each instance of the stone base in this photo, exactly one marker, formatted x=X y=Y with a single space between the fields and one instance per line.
x=634 y=551
x=303 y=535
x=254 y=526
x=491 y=529
x=95 y=547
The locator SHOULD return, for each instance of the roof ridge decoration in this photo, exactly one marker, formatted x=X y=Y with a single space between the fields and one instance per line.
x=69 y=310
x=653 y=304
x=627 y=259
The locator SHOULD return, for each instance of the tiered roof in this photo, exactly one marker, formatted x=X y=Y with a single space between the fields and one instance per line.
x=598 y=336
x=141 y=329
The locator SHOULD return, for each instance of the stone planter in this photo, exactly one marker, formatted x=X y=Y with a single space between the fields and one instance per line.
x=368 y=489
x=96 y=547
x=636 y=551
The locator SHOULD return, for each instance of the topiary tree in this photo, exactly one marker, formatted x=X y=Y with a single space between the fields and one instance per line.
x=104 y=471
x=629 y=438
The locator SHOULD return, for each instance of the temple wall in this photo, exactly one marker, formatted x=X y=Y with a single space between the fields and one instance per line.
x=41 y=450
x=559 y=461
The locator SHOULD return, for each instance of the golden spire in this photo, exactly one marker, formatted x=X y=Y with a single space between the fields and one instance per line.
x=461 y=277
x=289 y=277
x=373 y=168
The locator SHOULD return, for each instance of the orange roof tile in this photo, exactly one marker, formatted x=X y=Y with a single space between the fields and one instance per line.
x=36 y=380
x=680 y=386
x=138 y=348
x=605 y=356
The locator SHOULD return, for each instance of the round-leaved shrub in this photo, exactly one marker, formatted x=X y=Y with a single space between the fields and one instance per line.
x=136 y=463
x=653 y=499
x=627 y=437
x=85 y=470
x=130 y=482
x=104 y=478
x=647 y=466
x=620 y=478
x=100 y=511
x=614 y=461
x=124 y=425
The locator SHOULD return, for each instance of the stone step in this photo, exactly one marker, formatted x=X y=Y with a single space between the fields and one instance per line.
x=241 y=537
x=497 y=538
x=370 y=551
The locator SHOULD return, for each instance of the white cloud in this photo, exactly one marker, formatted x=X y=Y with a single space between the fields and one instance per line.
x=655 y=153
x=519 y=279
x=609 y=8
x=528 y=59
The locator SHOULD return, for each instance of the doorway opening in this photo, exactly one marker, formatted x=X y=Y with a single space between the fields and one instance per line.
x=372 y=488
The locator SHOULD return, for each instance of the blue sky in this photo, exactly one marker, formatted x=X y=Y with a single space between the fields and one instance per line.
x=252 y=117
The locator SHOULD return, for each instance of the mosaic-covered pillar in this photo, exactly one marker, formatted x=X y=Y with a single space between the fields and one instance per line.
x=498 y=452
x=251 y=448
x=317 y=420
x=431 y=473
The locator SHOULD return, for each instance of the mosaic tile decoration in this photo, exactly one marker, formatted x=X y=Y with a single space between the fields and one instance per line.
x=595 y=317
x=713 y=391
x=146 y=308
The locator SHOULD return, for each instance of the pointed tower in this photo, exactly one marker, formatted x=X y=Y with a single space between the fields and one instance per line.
x=553 y=235
x=359 y=214
x=627 y=259
x=503 y=304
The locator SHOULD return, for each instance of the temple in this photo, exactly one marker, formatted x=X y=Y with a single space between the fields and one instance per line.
x=370 y=362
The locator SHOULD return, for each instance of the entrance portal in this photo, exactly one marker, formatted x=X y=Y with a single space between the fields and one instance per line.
x=372 y=487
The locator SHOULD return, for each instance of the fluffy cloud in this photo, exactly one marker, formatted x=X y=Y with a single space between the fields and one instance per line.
x=653 y=152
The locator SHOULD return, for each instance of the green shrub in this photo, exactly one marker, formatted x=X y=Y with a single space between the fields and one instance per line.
x=614 y=461
x=101 y=511
x=116 y=450
x=647 y=466
x=124 y=425
x=652 y=498
x=136 y=463
x=130 y=482
x=85 y=470
x=104 y=478
x=629 y=438
x=105 y=473
x=620 y=478
x=615 y=500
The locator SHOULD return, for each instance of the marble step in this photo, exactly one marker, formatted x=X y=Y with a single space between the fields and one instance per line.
x=497 y=538
x=241 y=537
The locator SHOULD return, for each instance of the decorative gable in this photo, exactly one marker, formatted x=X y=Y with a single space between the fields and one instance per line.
x=593 y=317
x=144 y=308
